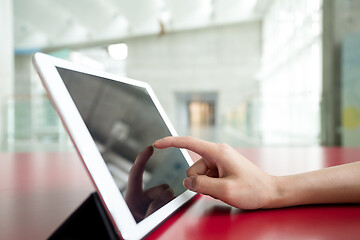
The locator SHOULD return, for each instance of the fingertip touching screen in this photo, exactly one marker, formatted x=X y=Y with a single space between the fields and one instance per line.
x=124 y=122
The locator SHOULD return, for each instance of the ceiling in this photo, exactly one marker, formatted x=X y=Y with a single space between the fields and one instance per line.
x=52 y=24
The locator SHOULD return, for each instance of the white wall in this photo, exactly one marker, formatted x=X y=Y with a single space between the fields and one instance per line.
x=220 y=59
x=6 y=58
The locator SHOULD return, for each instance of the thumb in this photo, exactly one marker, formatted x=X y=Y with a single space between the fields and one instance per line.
x=205 y=185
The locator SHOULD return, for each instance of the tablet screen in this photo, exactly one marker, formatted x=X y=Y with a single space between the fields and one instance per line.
x=123 y=121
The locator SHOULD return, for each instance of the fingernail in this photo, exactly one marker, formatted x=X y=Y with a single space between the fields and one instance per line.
x=188 y=183
x=156 y=142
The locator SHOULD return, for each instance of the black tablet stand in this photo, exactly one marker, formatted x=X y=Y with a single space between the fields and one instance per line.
x=89 y=221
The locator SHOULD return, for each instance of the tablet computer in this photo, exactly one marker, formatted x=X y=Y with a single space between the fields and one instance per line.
x=113 y=122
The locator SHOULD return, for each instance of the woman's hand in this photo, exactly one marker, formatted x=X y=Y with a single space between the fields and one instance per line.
x=224 y=174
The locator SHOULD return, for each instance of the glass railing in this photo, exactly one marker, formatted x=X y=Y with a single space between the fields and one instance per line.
x=30 y=123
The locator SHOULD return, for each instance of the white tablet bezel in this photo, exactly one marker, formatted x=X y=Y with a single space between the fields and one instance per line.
x=108 y=191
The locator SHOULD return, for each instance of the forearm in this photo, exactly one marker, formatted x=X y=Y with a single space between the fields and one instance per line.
x=340 y=184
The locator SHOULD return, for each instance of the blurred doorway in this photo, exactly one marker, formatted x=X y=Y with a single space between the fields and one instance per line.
x=201 y=113
x=197 y=114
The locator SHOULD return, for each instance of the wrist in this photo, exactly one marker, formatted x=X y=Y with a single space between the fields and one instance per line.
x=278 y=193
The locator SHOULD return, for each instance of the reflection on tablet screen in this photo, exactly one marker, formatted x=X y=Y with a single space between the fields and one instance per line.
x=123 y=121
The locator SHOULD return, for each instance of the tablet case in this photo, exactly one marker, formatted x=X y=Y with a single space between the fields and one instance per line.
x=89 y=221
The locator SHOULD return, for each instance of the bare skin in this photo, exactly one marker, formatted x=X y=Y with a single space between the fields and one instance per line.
x=225 y=174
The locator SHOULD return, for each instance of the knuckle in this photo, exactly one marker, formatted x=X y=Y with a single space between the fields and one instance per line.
x=223 y=147
x=189 y=172
x=168 y=138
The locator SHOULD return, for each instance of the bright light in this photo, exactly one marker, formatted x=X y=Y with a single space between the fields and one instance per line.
x=118 y=51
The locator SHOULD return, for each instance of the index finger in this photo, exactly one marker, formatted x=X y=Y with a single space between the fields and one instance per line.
x=201 y=147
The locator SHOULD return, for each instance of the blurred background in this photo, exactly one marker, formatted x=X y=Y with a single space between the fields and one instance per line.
x=249 y=73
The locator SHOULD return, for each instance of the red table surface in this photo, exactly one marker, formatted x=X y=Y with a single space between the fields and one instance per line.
x=39 y=190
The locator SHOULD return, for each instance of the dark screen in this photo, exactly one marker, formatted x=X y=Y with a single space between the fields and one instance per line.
x=123 y=121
